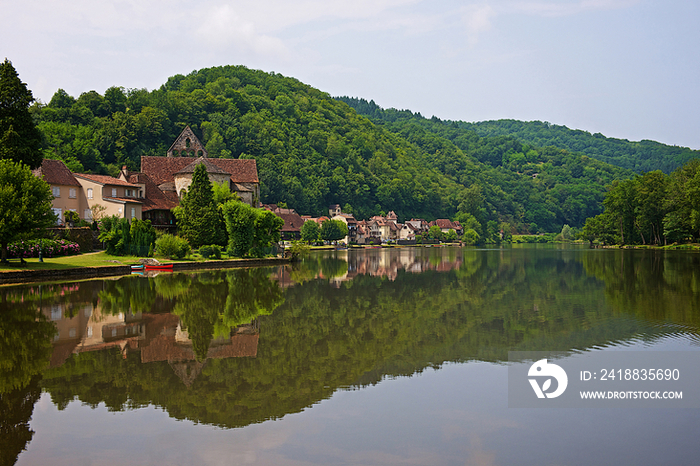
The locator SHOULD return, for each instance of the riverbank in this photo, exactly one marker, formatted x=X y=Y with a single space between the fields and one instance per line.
x=61 y=268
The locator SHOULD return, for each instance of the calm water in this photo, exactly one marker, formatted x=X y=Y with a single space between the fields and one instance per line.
x=373 y=357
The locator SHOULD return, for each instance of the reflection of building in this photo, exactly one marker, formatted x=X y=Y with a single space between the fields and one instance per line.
x=158 y=337
x=81 y=328
x=385 y=262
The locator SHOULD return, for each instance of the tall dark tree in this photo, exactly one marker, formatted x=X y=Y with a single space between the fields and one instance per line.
x=198 y=219
x=20 y=139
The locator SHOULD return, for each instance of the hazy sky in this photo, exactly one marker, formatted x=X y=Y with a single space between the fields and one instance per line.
x=626 y=68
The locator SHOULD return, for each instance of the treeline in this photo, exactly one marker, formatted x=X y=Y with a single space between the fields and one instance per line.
x=538 y=189
x=313 y=151
x=652 y=208
x=639 y=156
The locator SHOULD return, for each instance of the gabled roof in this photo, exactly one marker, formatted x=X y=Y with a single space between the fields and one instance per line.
x=189 y=142
x=292 y=221
x=446 y=224
x=55 y=172
x=155 y=199
x=104 y=180
x=163 y=169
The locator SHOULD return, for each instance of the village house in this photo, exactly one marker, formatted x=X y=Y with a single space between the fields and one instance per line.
x=291 y=230
x=64 y=186
x=173 y=173
x=118 y=197
x=447 y=225
x=351 y=223
x=151 y=193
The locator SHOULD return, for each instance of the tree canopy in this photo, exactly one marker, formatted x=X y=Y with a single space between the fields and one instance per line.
x=651 y=208
x=333 y=230
x=25 y=203
x=198 y=218
x=313 y=151
x=20 y=140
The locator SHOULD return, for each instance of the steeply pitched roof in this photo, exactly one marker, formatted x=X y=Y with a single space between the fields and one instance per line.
x=163 y=169
x=55 y=172
x=187 y=141
x=104 y=180
x=155 y=198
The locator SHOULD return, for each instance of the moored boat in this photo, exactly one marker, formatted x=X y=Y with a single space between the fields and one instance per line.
x=160 y=267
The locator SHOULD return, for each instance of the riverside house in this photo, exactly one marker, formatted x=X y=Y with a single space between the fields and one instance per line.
x=151 y=193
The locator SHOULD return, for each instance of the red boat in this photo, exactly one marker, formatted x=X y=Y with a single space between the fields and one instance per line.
x=160 y=267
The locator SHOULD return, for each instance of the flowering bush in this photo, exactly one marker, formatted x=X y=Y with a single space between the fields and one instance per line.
x=50 y=248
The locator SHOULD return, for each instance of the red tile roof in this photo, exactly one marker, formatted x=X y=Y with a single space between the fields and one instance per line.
x=446 y=224
x=56 y=172
x=163 y=169
x=211 y=168
x=155 y=198
x=104 y=180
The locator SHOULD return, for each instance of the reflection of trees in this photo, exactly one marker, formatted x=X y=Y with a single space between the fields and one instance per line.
x=16 y=408
x=25 y=350
x=25 y=344
x=655 y=286
x=320 y=339
x=128 y=294
x=200 y=309
x=216 y=302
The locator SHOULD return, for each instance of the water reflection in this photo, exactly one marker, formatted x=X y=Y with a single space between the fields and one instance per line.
x=236 y=347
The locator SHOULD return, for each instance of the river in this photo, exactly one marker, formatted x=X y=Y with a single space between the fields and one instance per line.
x=359 y=357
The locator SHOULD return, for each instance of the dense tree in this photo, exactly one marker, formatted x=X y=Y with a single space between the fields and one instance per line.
x=20 y=140
x=313 y=151
x=639 y=156
x=25 y=204
x=198 y=218
x=651 y=208
x=251 y=231
x=310 y=231
x=333 y=230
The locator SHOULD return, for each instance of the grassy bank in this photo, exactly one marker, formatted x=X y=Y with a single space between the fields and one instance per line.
x=93 y=259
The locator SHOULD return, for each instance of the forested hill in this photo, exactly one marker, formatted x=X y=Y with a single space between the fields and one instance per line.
x=313 y=151
x=639 y=156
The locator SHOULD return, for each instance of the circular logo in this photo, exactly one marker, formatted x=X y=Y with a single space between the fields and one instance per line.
x=546 y=371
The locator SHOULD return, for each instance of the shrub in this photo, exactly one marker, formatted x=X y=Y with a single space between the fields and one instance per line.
x=122 y=237
x=173 y=247
x=49 y=248
x=211 y=250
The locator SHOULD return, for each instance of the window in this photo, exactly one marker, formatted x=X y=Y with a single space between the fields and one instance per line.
x=129 y=193
x=89 y=193
x=56 y=312
x=56 y=191
x=71 y=193
x=133 y=212
x=114 y=192
x=58 y=212
x=72 y=332
x=87 y=215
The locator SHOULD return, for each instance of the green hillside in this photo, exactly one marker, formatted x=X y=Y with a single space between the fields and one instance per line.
x=313 y=151
x=639 y=156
